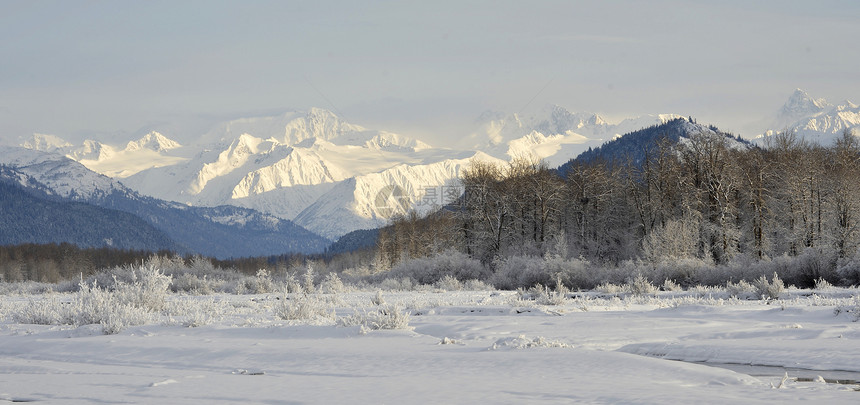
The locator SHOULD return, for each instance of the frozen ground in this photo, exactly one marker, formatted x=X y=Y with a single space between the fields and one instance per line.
x=463 y=347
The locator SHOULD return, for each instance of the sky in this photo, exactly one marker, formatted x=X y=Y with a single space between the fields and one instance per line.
x=112 y=70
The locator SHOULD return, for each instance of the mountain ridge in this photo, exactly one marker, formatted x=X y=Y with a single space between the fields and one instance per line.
x=221 y=232
x=315 y=168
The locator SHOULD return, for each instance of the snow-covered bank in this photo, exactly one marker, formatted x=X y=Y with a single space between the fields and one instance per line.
x=461 y=347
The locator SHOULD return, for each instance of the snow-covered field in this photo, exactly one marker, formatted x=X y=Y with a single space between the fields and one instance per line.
x=459 y=347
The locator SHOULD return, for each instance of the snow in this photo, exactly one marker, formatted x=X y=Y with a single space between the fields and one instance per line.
x=60 y=174
x=354 y=203
x=292 y=165
x=45 y=142
x=815 y=120
x=463 y=347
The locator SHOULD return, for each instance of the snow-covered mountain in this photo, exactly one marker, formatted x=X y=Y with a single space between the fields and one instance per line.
x=312 y=167
x=328 y=175
x=554 y=134
x=152 y=150
x=815 y=120
x=224 y=231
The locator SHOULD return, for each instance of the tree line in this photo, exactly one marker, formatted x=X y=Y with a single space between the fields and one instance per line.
x=704 y=196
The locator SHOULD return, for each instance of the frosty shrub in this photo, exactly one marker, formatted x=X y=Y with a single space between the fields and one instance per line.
x=813 y=264
x=358 y=272
x=477 y=285
x=176 y=264
x=449 y=283
x=126 y=304
x=670 y=285
x=191 y=284
x=769 y=290
x=304 y=307
x=261 y=283
x=148 y=289
x=386 y=317
x=741 y=290
x=520 y=272
x=683 y=271
x=429 y=270
x=28 y=288
x=527 y=271
x=378 y=300
x=823 y=285
x=848 y=270
x=639 y=285
x=609 y=288
x=291 y=285
x=332 y=284
x=677 y=239
x=543 y=295
x=706 y=291
x=308 y=279
x=394 y=284
x=194 y=313
x=47 y=311
x=852 y=308
x=547 y=297
x=114 y=310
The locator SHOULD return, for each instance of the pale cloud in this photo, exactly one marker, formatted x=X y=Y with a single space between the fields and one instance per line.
x=75 y=69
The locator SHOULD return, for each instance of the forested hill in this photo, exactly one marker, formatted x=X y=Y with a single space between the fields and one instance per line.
x=221 y=232
x=31 y=215
x=633 y=147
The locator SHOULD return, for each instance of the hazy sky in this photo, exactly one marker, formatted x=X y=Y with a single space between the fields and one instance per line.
x=111 y=69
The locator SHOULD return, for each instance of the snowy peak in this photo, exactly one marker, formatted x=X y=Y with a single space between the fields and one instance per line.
x=46 y=143
x=800 y=105
x=320 y=124
x=240 y=151
x=61 y=175
x=290 y=128
x=381 y=140
x=153 y=141
x=371 y=200
x=815 y=119
x=554 y=134
x=559 y=121
x=298 y=168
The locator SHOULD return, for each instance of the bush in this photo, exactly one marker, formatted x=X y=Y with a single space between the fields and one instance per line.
x=769 y=290
x=125 y=304
x=393 y=284
x=430 y=270
x=259 y=284
x=304 y=307
x=671 y=285
x=848 y=270
x=741 y=290
x=639 y=285
x=477 y=285
x=332 y=284
x=387 y=317
x=609 y=288
x=190 y=283
x=449 y=283
x=378 y=300
x=527 y=271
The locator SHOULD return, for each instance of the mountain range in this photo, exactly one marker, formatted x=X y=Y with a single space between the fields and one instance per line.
x=65 y=188
x=328 y=175
x=315 y=170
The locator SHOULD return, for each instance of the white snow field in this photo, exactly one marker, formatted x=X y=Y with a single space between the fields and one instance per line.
x=460 y=347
